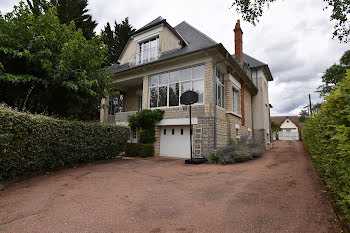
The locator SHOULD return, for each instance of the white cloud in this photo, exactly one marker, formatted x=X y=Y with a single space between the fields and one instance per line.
x=293 y=38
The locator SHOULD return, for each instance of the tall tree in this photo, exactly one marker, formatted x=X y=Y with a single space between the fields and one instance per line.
x=252 y=10
x=303 y=114
x=334 y=74
x=37 y=7
x=68 y=10
x=50 y=67
x=116 y=38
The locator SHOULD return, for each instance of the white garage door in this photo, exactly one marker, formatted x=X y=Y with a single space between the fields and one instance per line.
x=288 y=136
x=175 y=141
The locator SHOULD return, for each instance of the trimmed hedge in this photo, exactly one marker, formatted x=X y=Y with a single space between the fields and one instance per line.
x=326 y=136
x=139 y=150
x=35 y=143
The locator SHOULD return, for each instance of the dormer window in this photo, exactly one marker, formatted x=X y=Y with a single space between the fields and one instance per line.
x=149 y=51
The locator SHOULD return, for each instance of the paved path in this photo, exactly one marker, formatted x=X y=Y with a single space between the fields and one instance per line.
x=280 y=192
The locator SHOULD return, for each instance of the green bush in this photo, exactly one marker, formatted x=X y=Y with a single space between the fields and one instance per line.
x=139 y=150
x=238 y=151
x=33 y=143
x=144 y=122
x=327 y=138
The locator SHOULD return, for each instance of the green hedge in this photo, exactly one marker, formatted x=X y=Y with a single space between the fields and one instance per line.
x=327 y=138
x=139 y=150
x=34 y=143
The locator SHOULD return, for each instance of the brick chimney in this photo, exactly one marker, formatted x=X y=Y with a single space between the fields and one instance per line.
x=238 y=43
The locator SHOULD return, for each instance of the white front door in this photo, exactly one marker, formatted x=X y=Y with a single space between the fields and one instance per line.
x=175 y=141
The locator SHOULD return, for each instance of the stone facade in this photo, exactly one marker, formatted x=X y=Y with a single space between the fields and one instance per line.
x=229 y=123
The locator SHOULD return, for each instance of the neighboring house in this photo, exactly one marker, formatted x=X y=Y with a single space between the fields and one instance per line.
x=160 y=62
x=290 y=127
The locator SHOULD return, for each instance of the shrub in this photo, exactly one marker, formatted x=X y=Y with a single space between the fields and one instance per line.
x=327 y=138
x=34 y=143
x=144 y=121
x=238 y=151
x=139 y=150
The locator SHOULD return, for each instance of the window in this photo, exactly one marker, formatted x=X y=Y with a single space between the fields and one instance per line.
x=182 y=131
x=288 y=130
x=173 y=131
x=234 y=100
x=148 y=51
x=219 y=89
x=115 y=104
x=134 y=134
x=166 y=88
x=164 y=131
x=140 y=103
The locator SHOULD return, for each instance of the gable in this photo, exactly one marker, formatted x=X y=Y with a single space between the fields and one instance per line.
x=167 y=41
x=288 y=124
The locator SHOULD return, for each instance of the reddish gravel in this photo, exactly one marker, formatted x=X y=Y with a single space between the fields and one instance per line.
x=280 y=192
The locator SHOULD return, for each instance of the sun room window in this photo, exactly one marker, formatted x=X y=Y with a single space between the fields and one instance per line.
x=166 y=88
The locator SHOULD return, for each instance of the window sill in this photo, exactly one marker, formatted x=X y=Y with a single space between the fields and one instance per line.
x=233 y=113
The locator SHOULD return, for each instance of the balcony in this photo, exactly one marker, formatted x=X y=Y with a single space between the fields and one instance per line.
x=145 y=56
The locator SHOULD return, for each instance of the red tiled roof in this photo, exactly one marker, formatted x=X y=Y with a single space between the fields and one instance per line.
x=278 y=120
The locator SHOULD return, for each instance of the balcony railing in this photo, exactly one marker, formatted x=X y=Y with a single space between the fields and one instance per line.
x=145 y=56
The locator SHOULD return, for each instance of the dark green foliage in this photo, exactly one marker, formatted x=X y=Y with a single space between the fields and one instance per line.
x=334 y=74
x=36 y=143
x=326 y=136
x=67 y=11
x=139 y=150
x=238 y=151
x=144 y=122
x=252 y=10
x=303 y=114
x=75 y=10
x=116 y=38
x=49 y=67
x=37 y=7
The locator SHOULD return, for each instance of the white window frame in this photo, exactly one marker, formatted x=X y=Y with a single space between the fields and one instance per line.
x=191 y=80
x=235 y=94
x=140 y=59
x=217 y=86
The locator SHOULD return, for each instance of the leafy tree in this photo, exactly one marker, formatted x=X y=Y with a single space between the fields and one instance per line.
x=116 y=38
x=334 y=74
x=50 y=67
x=37 y=7
x=303 y=114
x=68 y=10
x=252 y=10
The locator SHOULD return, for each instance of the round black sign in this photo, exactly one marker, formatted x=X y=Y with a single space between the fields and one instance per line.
x=189 y=97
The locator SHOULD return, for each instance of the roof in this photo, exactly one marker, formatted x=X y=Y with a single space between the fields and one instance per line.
x=195 y=41
x=278 y=120
x=150 y=24
x=255 y=63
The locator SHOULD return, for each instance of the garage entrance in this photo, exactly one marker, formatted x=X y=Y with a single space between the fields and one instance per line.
x=288 y=135
x=175 y=141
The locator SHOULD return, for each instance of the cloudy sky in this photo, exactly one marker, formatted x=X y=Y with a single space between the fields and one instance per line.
x=294 y=37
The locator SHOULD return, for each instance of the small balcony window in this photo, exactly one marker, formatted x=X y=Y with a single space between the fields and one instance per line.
x=148 y=52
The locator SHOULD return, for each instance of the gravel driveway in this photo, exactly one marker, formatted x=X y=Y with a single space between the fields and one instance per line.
x=279 y=192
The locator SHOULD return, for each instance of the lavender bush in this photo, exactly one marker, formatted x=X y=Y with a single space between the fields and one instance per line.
x=238 y=151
